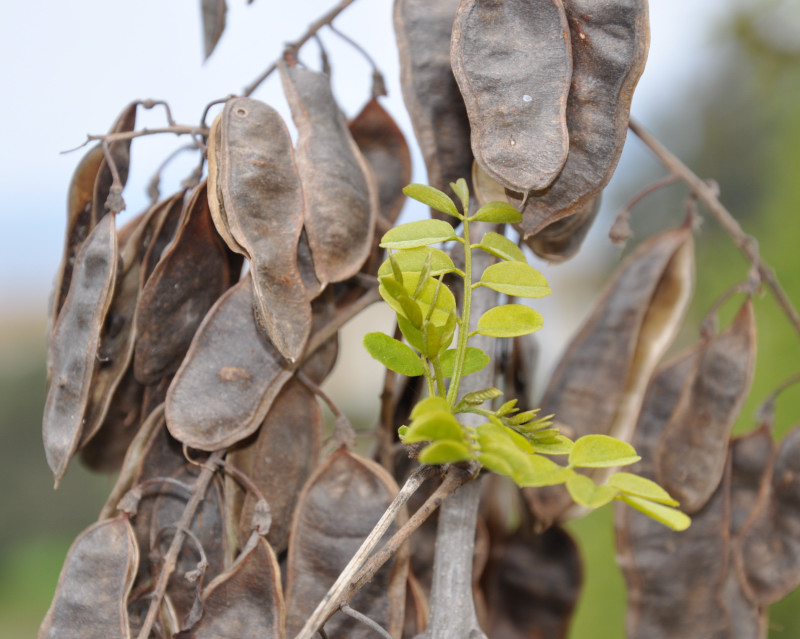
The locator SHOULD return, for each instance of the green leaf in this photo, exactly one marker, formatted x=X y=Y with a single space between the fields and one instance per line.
x=431 y=340
x=500 y=246
x=445 y=452
x=495 y=463
x=413 y=261
x=434 y=426
x=411 y=333
x=544 y=472
x=474 y=360
x=509 y=320
x=429 y=405
x=411 y=310
x=476 y=398
x=462 y=191
x=445 y=302
x=433 y=198
x=586 y=493
x=558 y=445
x=419 y=233
x=492 y=434
x=393 y=354
x=515 y=278
x=640 y=487
x=447 y=331
x=394 y=267
x=670 y=517
x=601 y=451
x=497 y=213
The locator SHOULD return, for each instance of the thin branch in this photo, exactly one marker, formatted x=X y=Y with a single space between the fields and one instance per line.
x=178 y=129
x=343 y=430
x=370 y=623
x=310 y=32
x=708 y=196
x=170 y=559
x=621 y=230
x=766 y=412
x=334 y=597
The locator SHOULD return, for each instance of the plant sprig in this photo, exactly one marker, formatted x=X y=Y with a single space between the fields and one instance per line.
x=509 y=442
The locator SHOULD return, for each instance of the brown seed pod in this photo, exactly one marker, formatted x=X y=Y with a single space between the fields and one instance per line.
x=92 y=591
x=337 y=509
x=439 y=118
x=73 y=349
x=233 y=368
x=513 y=64
x=599 y=384
x=281 y=459
x=341 y=195
x=257 y=203
x=213 y=13
x=246 y=600
x=188 y=279
x=563 y=238
x=609 y=49
x=769 y=543
x=693 y=449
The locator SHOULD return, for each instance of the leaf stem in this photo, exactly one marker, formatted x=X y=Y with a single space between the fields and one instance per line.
x=463 y=331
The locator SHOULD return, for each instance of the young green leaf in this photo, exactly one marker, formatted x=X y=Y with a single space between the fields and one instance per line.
x=430 y=340
x=544 y=472
x=500 y=246
x=509 y=320
x=515 y=278
x=476 y=398
x=429 y=405
x=640 y=487
x=586 y=493
x=433 y=198
x=434 y=426
x=392 y=287
x=413 y=260
x=411 y=310
x=444 y=304
x=393 y=354
x=670 y=517
x=461 y=189
x=558 y=445
x=445 y=452
x=496 y=463
x=411 y=333
x=497 y=213
x=601 y=451
x=419 y=233
x=474 y=360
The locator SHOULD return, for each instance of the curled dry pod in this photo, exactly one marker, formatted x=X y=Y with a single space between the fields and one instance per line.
x=600 y=381
x=609 y=49
x=769 y=543
x=246 y=600
x=92 y=591
x=386 y=151
x=532 y=584
x=563 y=238
x=73 y=349
x=191 y=275
x=338 y=508
x=693 y=449
x=232 y=368
x=341 y=195
x=513 y=64
x=281 y=459
x=439 y=118
x=79 y=205
x=254 y=186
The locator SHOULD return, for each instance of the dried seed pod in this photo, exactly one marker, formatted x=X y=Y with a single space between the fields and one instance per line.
x=416 y=609
x=609 y=49
x=236 y=372
x=73 y=349
x=385 y=149
x=281 y=459
x=562 y=239
x=255 y=190
x=213 y=13
x=167 y=219
x=338 y=508
x=532 y=584
x=693 y=449
x=188 y=279
x=246 y=600
x=318 y=365
x=769 y=550
x=439 y=118
x=92 y=591
x=512 y=61
x=599 y=384
x=341 y=195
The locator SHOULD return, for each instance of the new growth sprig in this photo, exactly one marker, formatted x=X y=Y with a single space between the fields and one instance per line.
x=516 y=444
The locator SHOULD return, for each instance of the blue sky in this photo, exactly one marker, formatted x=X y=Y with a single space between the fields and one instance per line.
x=68 y=69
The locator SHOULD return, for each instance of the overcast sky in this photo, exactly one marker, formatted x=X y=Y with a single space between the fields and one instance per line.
x=69 y=68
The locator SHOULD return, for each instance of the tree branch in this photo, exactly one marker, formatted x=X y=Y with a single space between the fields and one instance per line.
x=708 y=196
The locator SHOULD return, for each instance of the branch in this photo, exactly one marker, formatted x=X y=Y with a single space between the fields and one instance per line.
x=170 y=559
x=178 y=129
x=310 y=33
x=708 y=196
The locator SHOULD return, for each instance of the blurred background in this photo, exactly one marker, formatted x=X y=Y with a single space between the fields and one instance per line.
x=721 y=90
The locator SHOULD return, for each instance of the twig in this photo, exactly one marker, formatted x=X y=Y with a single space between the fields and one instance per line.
x=620 y=230
x=340 y=319
x=178 y=129
x=334 y=597
x=708 y=197
x=378 y=83
x=360 y=616
x=343 y=431
x=170 y=559
x=766 y=412
x=310 y=32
